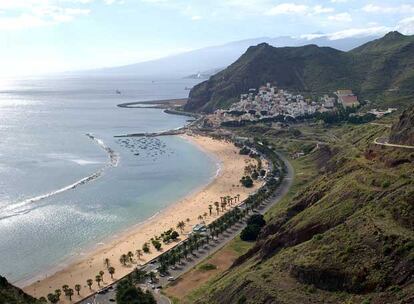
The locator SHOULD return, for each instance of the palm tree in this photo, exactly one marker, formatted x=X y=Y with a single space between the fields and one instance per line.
x=111 y=271
x=42 y=300
x=53 y=298
x=205 y=215
x=238 y=197
x=106 y=262
x=58 y=292
x=69 y=293
x=152 y=276
x=98 y=280
x=200 y=218
x=130 y=256
x=210 y=208
x=123 y=259
x=65 y=287
x=187 y=220
x=138 y=253
x=181 y=226
x=217 y=204
x=101 y=273
x=223 y=206
x=78 y=288
x=89 y=282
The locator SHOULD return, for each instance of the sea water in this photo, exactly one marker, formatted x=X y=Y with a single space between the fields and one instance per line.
x=67 y=182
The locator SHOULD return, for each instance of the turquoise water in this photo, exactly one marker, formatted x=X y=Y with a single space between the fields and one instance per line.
x=59 y=191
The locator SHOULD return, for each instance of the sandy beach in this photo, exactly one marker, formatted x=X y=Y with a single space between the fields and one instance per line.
x=226 y=183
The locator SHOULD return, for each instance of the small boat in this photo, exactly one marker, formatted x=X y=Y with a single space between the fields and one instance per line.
x=118 y=92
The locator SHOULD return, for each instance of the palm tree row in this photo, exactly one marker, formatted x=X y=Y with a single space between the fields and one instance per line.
x=195 y=240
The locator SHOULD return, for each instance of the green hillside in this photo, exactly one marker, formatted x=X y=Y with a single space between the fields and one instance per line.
x=13 y=295
x=346 y=232
x=382 y=70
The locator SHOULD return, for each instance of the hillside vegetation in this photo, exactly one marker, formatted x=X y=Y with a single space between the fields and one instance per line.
x=13 y=295
x=346 y=236
x=382 y=70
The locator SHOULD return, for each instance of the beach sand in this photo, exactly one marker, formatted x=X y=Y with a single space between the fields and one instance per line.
x=226 y=183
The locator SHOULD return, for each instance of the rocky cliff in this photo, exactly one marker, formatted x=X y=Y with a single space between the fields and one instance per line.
x=403 y=131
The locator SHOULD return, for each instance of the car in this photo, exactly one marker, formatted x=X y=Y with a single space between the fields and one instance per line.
x=173 y=267
x=162 y=275
x=111 y=300
x=171 y=279
x=159 y=287
x=153 y=262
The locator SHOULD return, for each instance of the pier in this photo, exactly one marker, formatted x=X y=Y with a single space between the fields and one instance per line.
x=155 y=134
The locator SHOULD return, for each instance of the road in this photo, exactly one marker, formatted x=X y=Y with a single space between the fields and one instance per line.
x=382 y=141
x=203 y=252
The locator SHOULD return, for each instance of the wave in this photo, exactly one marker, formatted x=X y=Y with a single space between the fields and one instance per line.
x=24 y=206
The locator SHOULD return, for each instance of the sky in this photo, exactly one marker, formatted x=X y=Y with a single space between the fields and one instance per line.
x=46 y=36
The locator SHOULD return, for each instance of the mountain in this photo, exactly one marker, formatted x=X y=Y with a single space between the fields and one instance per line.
x=13 y=295
x=344 y=233
x=403 y=132
x=371 y=70
x=216 y=57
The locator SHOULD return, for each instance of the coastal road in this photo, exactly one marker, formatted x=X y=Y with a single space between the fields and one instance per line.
x=204 y=251
x=382 y=141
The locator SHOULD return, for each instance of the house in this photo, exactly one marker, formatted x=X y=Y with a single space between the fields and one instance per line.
x=347 y=98
x=380 y=113
x=344 y=93
x=349 y=101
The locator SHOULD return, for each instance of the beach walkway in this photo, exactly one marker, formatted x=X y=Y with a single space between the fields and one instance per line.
x=205 y=251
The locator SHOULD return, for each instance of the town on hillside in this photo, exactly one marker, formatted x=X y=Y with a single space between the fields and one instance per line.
x=269 y=102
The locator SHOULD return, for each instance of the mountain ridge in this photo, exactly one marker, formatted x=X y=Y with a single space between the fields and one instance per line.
x=370 y=70
x=215 y=57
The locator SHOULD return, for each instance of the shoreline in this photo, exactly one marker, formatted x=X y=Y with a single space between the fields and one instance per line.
x=81 y=267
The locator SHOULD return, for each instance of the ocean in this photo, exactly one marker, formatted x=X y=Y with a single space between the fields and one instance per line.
x=67 y=183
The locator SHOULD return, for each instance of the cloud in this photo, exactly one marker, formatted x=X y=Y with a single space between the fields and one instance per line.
x=22 y=14
x=406 y=26
x=297 y=9
x=341 y=17
x=287 y=8
x=398 y=9
x=319 y=9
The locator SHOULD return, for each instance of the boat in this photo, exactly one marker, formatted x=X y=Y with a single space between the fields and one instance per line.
x=118 y=92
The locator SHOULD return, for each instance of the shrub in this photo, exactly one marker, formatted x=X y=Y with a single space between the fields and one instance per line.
x=242 y=300
x=145 y=248
x=156 y=244
x=207 y=267
x=250 y=233
x=386 y=184
x=256 y=219
x=244 y=151
x=127 y=293
x=318 y=237
x=174 y=235
x=255 y=175
x=246 y=181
